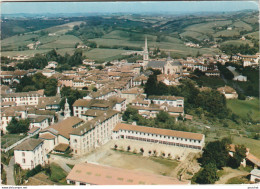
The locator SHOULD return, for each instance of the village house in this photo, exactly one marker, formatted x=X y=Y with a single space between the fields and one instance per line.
x=93 y=174
x=23 y=98
x=30 y=153
x=52 y=64
x=255 y=176
x=81 y=106
x=131 y=94
x=229 y=92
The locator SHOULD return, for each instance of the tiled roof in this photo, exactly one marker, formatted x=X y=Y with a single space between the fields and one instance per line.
x=105 y=175
x=47 y=136
x=94 y=122
x=226 y=89
x=23 y=94
x=61 y=147
x=152 y=97
x=29 y=144
x=165 y=132
x=34 y=129
x=64 y=127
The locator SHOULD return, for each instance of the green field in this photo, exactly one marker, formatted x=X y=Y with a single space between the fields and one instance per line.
x=237 y=42
x=253 y=145
x=57 y=173
x=104 y=54
x=64 y=41
x=9 y=139
x=242 y=107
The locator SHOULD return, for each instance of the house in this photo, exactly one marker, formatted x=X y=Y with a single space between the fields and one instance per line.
x=214 y=73
x=66 y=81
x=30 y=153
x=93 y=174
x=131 y=94
x=48 y=72
x=39 y=121
x=232 y=150
x=255 y=176
x=52 y=64
x=23 y=98
x=49 y=103
x=229 y=92
x=240 y=78
x=88 y=62
x=174 y=101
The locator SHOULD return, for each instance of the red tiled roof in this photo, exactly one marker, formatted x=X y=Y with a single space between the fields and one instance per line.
x=104 y=175
x=166 y=132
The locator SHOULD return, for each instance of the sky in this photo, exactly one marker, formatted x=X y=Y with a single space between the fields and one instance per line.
x=127 y=7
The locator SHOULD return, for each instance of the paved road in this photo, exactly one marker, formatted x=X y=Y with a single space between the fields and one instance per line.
x=10 y=172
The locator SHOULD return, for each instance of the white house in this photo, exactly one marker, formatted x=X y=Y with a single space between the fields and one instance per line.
x=255 y=176
x=30 y=153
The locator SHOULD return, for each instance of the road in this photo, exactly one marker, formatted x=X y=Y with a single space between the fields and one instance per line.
x=10 y=172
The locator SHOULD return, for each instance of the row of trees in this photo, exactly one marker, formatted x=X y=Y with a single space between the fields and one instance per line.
x=243 y=49
x=216 y=156
x=39 y=61
x=37 y=82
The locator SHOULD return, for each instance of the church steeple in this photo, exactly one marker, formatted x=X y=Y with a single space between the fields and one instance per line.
x=146 y=53
x=66 y=110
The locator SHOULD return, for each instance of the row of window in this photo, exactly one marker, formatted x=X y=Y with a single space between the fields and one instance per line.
x=161 y=136
x=162 y=142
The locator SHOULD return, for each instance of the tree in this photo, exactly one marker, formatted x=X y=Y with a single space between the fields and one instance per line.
x=51 y=87
x=238 y=157
x=216 y=152
x=207 y=175
x=15 y=126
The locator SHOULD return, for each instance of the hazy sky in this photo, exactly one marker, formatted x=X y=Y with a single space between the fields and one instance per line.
x=135 y=7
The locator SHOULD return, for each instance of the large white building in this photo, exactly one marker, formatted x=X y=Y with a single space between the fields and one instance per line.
x=151 y=140
x=79 y=135
x=23 y=98
x=30 y=153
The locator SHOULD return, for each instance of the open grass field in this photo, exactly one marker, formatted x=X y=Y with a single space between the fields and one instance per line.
x=255 y=35
x=238 y=180
x=208 y=27
x=62 y=29
x=242 y=25
x=104 y=54
x=242 y=107
x=57 y=173
x=9 y=139
x=64 y=41
x=237 y=42
x=252 y=144
x=27 y=52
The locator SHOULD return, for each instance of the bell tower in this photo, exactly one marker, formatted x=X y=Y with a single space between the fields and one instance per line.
x=146 y=53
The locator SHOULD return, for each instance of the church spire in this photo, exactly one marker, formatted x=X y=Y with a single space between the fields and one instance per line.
x=66 y=110
x=145 y=53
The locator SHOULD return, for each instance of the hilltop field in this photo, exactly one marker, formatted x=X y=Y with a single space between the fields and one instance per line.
x=110 y=36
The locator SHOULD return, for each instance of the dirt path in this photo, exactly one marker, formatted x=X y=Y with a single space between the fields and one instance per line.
x=232 y=173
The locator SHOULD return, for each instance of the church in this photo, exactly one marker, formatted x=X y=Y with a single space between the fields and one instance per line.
x=167 y=66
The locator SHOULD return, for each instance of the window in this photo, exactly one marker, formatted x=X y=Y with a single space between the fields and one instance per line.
x=75 y=141
x=23 y=160
x=23 y=154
